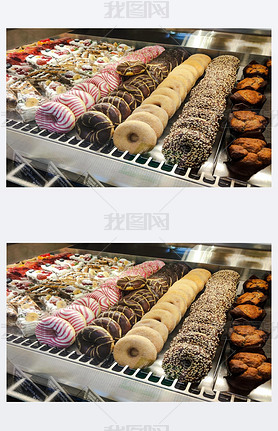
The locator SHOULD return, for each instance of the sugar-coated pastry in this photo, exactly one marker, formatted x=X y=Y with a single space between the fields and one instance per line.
x=55 y=332
x=164 y=102
x=151 y=334
x=95 y=341
x=163 y=316
x=55 y=117
x=150 y=119
x=174 y=310
x=135 y=351
x=134 y=137
x=156 y=325
x=175 y=299
x=155 y=110
x=74 y=317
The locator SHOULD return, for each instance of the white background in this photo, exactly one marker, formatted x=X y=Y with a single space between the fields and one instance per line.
x=196 y=215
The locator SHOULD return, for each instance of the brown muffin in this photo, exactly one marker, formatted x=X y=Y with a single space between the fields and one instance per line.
x=255 y=83
x=246 y=122
x=247 y=337
x=254 y=283
x=248 y=312
x=254 y=298
x=248 y=97
x=248 y=370
x=255 y=69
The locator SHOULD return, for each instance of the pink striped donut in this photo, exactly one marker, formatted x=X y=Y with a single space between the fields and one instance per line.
x=75 y=318
x=90 y=88
x=84 y=96
x=99 y=296
x=111 y=283
x=113 y=295
x=55 y=332
x=86 y=312
x=100 y=83
x=74 y=103
x=55 y=117
x=90 y=303
x=111 y=79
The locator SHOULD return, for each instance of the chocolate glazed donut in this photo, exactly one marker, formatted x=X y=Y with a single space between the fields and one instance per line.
x=95 y=127
x=128 y=312
x=145 y=78
x=110 y=325
x=134 y=305
x=130 y=68
x=110 y=111
x=136 y=92
x=95 y=341
x=120 y=318
x=128 y=97
x=120 y=103
x=160 y=282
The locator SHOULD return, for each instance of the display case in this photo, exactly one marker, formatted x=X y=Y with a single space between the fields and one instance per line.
x=77 y=159
x=77 y=374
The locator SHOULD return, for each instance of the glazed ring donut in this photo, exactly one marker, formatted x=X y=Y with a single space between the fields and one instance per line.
x=134 y=137
x=135 y=351
x=149 y=119
x=130 y=68
x=140 y=300
x=91 y=303
x=110 y=325
x=120 y=318
x=89 y=88
x=163 y=102
x=156 y=325
x=203 y=58
x=176 y=300
x=197 y=64
x=134 y=305
x=128 y=97
x=85 y=97
x=146 y=79
x=95 y=341
x=55 y=117
x=76 y=319
x=135 y=91
x=55 y=332
x=170 y=93
x=198 y=280
x=99 y=82
x=151 y=334
x=142 y=86
x=204 y=274
x=174 y=310
x=95 y=127
x=177 y=86
x=155 y=110
x=128 y=312
x=85 y=311
x=110 y=111
x=146 y=295
x=74 y=103
x=162 y=316
x=120 y=103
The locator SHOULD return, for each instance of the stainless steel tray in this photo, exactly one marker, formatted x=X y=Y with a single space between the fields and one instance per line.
x=119 y=383
x=116 y=168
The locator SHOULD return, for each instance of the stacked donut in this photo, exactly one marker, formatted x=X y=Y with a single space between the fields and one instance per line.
x=191 y=137
x=139 y=348
x=174 y=78
x=190 y=355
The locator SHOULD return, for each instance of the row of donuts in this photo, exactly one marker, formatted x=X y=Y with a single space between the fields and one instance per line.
x=140 y=132
x=248 y=366
x=143 y=78
x=62 y=119
x=51 y=330
x=190 y=355
x=114 y=323
x=140 y=346
x=192 y=136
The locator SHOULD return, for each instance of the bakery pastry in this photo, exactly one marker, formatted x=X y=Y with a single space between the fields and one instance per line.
x=248 y=156
x=254 y=298
x=247 y=337
x=254 y=283
x=248 y=311
x=247 y=122
x=248 y=97
x=252 y=83
x=255 y=69
x=248 y=370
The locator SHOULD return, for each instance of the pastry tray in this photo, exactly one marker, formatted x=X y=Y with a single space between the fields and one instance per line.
x=111 y=166
x=118 y=383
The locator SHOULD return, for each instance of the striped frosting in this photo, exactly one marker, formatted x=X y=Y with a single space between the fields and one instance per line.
x=100 y=83
x=55 y=117
x=74 y=103
x=90 y=303
x=75 y=318
x=55 y=332
x=86 y=312
x=99 y=296
x=90 y=88
x=84 y=96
